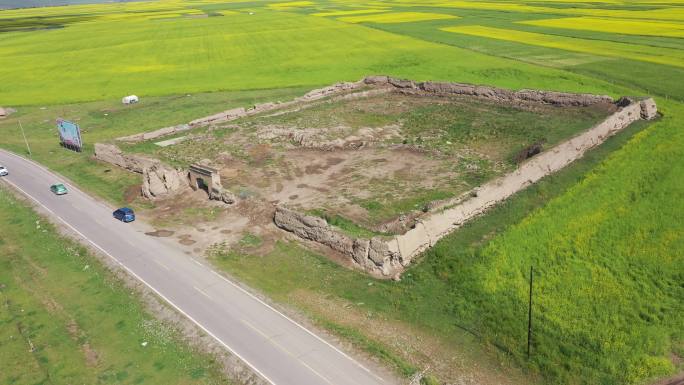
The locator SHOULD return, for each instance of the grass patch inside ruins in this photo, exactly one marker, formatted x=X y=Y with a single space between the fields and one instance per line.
x=347 y=226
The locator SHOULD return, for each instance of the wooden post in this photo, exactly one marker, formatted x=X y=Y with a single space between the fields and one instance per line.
x=529 y=318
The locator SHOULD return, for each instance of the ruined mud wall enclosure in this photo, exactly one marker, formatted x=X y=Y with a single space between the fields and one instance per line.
x=387 y=256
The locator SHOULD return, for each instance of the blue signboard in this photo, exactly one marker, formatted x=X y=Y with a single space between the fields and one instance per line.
x=69 y=134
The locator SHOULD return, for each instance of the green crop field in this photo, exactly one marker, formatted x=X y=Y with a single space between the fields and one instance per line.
x=95 y=52
x=605 y=237
x=66 y=320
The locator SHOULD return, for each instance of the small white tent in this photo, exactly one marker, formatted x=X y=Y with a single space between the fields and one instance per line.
x=130 y=99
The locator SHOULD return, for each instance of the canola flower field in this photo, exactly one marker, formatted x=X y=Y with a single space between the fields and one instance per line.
x=609 y=249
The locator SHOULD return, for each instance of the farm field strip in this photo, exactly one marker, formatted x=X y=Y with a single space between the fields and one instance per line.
x=659 y=55
x=398 y=17
x=290 y=4
x=619 y=26
x=670 y=13
x=349 y=12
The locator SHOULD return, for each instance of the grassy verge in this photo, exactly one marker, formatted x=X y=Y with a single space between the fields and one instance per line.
x=65 y=319
x=368 y=345
x=441 y=294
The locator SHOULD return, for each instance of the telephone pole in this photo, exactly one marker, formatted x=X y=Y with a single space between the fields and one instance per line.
x=25 y=141
x=529 y=317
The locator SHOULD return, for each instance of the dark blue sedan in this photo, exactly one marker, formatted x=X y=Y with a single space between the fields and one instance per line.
x=124 y=214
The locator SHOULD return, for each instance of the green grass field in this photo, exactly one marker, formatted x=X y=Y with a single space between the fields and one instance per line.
x=66 y=320
x=606 y=236
x=109 y=51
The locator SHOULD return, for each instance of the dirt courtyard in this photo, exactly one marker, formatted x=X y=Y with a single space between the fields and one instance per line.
x=369 y=160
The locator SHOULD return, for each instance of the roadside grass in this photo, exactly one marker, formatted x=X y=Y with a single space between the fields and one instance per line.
x=449 y=291
x=370 y=346
x=65 y=318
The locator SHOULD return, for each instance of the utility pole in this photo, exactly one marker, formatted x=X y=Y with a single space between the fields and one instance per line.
x=529 y=317
x=25 y=141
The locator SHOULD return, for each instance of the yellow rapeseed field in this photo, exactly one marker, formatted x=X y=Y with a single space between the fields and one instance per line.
x=657 y=55
x=664 y=14
x=347 y=13
x=291 y=4
x=396 y=17
x=613 y=25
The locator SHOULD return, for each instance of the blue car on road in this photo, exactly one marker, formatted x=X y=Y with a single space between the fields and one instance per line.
x=124 y=214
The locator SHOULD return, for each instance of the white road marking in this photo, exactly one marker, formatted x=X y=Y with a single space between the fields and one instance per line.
x=197 y=262
x=146 y=284
x=281 y=347
x=162 y=265
x=202 y=292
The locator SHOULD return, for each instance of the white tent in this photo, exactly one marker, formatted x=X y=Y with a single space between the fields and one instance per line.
x=130 y=99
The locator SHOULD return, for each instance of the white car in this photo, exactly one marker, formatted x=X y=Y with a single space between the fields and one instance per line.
x=3 y=171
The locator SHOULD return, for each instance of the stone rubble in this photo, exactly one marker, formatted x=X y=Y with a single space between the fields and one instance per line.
x=161 y=181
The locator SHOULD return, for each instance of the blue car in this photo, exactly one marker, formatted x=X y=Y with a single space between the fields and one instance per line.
x=124 y=214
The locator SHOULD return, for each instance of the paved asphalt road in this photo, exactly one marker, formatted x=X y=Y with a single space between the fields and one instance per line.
x=274 y=346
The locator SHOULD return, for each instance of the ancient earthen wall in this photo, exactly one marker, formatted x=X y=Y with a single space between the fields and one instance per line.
x=240 y=112
x=159 y=180
x=498 y=94
x=112 y=154
x=388 y=257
